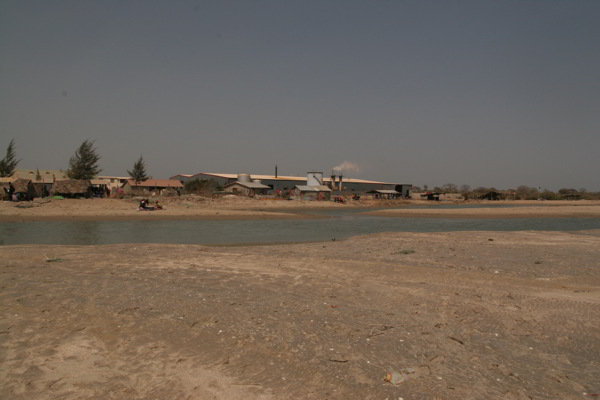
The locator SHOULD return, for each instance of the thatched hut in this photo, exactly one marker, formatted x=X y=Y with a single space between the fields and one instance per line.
x=72 y=188
x=42 y=189
x=4 y=186
x=165 y=187
x=24 y=189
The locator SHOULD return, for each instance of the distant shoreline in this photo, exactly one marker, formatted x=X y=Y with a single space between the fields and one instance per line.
x=556 y=211
x=198 y=208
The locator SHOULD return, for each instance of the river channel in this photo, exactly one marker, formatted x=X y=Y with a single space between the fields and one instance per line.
x=340 y=225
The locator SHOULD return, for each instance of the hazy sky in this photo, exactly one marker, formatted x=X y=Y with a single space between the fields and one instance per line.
x=485 y=93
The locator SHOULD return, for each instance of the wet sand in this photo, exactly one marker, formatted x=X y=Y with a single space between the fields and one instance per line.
x=547 y=211
x=474 y=315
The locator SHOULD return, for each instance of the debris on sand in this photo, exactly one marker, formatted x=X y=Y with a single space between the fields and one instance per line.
x=396 y=378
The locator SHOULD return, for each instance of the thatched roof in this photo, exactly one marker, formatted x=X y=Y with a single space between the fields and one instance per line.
x=47 y=175
x=71 y=186
x=3 y=186
x=22 y=185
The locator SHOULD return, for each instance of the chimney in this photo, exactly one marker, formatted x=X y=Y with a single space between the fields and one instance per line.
x=340 y=189
x=332 y=185
x=275 y=171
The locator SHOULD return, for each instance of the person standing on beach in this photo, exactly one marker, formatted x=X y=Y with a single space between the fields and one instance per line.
x=10 y=191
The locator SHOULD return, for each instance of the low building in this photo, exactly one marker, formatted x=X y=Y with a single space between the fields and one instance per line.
x=41 y=175
x=113 y=182
x=306 y=192
x=72 y=188
x=385 y=194
x=152 y=186
x=430 y=196
x=492 y=195
x=249 y=189
x=99 y=187
x=5 y=187
x=24 y=189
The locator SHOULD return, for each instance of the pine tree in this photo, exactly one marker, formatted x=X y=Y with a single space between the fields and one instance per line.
x=84 y=163
x=9 y=163
x=138 y=173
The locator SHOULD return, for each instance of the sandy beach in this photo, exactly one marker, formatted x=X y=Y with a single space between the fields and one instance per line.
x=462 y=315
x=187 y=207
x=234 y=207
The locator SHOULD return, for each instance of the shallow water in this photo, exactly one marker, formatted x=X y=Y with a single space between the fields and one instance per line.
x=343 y=224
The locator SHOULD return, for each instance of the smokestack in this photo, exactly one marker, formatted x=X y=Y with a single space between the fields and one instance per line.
x=332 y=183
x=275 y=171
x=340 y=189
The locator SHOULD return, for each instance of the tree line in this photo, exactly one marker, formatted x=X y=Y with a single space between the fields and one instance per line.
x=522 y=192
x=83 y=164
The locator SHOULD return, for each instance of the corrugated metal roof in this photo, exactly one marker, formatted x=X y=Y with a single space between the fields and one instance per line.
x=114 y=177
x=249 y=185
x=384 y=191
x=259 y=177
x=155 y=183
x=320 y=188
x=283 y=178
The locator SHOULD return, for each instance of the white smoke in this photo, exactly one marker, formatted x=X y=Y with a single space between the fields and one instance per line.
x=347 y=166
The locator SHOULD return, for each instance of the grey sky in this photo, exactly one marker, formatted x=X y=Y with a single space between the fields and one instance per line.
x=492 y=93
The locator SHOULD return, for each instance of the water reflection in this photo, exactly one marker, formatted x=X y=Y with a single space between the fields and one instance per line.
x=342 y=225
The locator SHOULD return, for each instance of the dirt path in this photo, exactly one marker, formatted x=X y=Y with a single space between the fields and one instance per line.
x=474 y=315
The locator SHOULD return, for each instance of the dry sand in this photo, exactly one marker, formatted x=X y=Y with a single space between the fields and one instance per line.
x=475 y=315
x=548 y=210
x=234 y=207
x=188 y=207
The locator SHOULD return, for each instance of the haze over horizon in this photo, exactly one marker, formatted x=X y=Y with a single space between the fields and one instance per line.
x=482 y=93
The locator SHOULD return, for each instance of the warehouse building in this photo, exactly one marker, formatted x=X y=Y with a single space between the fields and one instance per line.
x=284 y=183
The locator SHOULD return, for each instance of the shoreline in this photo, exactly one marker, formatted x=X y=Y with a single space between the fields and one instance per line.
x=169 y=217
x=197 y=208
x=550 y=211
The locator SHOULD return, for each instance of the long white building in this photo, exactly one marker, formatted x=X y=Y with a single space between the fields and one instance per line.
x=286 y=182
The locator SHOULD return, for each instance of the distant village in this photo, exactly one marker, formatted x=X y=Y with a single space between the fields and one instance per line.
x=83 y=180
x=26 y=184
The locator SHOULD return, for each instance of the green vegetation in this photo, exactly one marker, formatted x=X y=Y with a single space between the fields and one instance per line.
x=138 y=173
x=204 y=186
x=520 y=193
x=407 y=251
x=84 y=163
x=9 y=162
